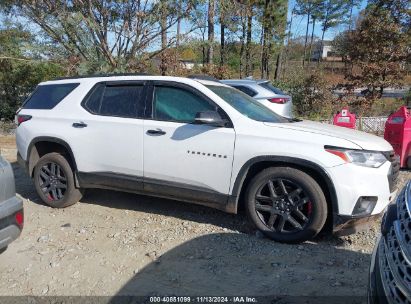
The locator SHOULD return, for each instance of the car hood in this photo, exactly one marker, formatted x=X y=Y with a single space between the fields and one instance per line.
x=364 y=140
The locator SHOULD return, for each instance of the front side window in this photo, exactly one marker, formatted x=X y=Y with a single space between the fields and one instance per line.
x=175 y=104
x=119 y=101
x=47 y=96
x=246 y=105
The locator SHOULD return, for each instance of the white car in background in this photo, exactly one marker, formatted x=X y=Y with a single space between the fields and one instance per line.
x=265 y=93
x=203 y=142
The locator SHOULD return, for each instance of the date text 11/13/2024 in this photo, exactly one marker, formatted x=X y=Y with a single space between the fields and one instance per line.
x=203 y=299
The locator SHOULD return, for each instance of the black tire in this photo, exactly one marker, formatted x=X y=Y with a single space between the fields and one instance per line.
x=3 y=249
x=60 y=190
x=291 y=205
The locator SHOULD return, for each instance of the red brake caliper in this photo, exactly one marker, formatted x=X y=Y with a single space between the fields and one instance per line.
x=309 y=208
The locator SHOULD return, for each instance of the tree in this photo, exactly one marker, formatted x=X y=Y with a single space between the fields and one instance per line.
x=375 y=54
x=163 y=25
x=20 y=69
x=332 y=14
x=352 y=4
x=273 y=30
x=210 y=26
x=101 y=33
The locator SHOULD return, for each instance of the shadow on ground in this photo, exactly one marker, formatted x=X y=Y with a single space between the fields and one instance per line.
x=239 y=265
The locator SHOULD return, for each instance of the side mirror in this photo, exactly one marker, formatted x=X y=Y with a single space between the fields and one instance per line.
x=211 y=118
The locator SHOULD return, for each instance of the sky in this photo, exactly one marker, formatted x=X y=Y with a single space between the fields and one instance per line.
x=298 y=26
x=300 y=22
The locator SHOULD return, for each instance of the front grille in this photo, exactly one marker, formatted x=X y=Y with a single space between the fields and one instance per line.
x=394 y=170
x=395 y=253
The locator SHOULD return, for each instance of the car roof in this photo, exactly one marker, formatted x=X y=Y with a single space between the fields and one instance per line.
x=128 y=77
x=244 y=81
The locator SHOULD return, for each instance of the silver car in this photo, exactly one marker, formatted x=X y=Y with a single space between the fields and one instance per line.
x=264 y=92
x=11 y=207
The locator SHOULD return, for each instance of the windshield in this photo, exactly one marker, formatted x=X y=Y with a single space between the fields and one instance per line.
x=270 y=87
x=246 y=105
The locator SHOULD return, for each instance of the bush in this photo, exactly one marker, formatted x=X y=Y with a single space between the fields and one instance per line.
x=18 y=79
x=312 y=95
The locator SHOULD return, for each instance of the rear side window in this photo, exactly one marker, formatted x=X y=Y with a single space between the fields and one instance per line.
x=246 y=90
x=270 y=87
x=119 y=101
x=46 y=97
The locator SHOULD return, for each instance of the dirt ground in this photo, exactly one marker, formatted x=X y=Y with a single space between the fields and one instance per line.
x=115 y=243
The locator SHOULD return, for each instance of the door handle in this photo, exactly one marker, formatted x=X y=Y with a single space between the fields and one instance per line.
x=79 y=125
x=156 y=132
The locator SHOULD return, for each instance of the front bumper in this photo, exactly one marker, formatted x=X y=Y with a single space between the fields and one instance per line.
x=9 y=228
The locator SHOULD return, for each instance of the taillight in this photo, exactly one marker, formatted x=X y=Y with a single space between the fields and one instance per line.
x=279 y=100
x=22 y=118
x=19 y=217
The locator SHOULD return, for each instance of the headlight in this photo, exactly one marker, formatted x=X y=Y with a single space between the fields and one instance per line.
x=371 y=159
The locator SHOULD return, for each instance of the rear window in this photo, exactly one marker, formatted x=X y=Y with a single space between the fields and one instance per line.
x=246 y=90
x=270 y=87
x=46 y=97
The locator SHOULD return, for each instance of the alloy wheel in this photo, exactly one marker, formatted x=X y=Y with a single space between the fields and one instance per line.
x=52 y=181
x=283 y=206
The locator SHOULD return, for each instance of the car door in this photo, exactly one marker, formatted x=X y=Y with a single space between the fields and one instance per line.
x=184 y=160
x=108 y=144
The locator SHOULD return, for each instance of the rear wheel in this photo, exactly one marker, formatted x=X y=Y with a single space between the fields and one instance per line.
x=286 y=204
x=54 y=181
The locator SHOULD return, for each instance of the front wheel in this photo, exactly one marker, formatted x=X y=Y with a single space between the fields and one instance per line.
x=54 y=181
x=286 y=204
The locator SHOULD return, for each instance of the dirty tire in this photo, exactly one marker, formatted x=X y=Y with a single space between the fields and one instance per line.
x=56 y=166
x=286 y=204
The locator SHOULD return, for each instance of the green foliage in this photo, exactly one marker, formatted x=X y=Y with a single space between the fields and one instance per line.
x=374 y=54
x=18 y=79
x=312 y=94
x=19 y=74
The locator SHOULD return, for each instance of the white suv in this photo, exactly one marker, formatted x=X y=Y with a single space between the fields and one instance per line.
x=203 y=142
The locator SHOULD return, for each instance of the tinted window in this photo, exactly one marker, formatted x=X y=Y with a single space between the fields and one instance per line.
x=93 y=102
x=46 y=97
x=120 y=101
x=178 y=105
x=246 y=105
x=246 y=90
x=270 y=87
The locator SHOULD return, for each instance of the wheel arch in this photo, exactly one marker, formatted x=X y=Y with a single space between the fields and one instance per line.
x=42 y=145
x=257 y=164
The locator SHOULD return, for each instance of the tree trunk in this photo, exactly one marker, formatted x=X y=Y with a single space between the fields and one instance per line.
x=306 y=38
x=242 y=41
x=311 y=42
x=266 y=31
x=262 y=52
x=287 y=48
x=320 y=55
x=178 y=24
x=163 y=24
x=222 y=40
x=350 y=19
x=210 y=52
x=278 y=65
x=248 y=66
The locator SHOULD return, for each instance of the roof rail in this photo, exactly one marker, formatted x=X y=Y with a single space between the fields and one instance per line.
x=203 y=77
x=103 y=75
